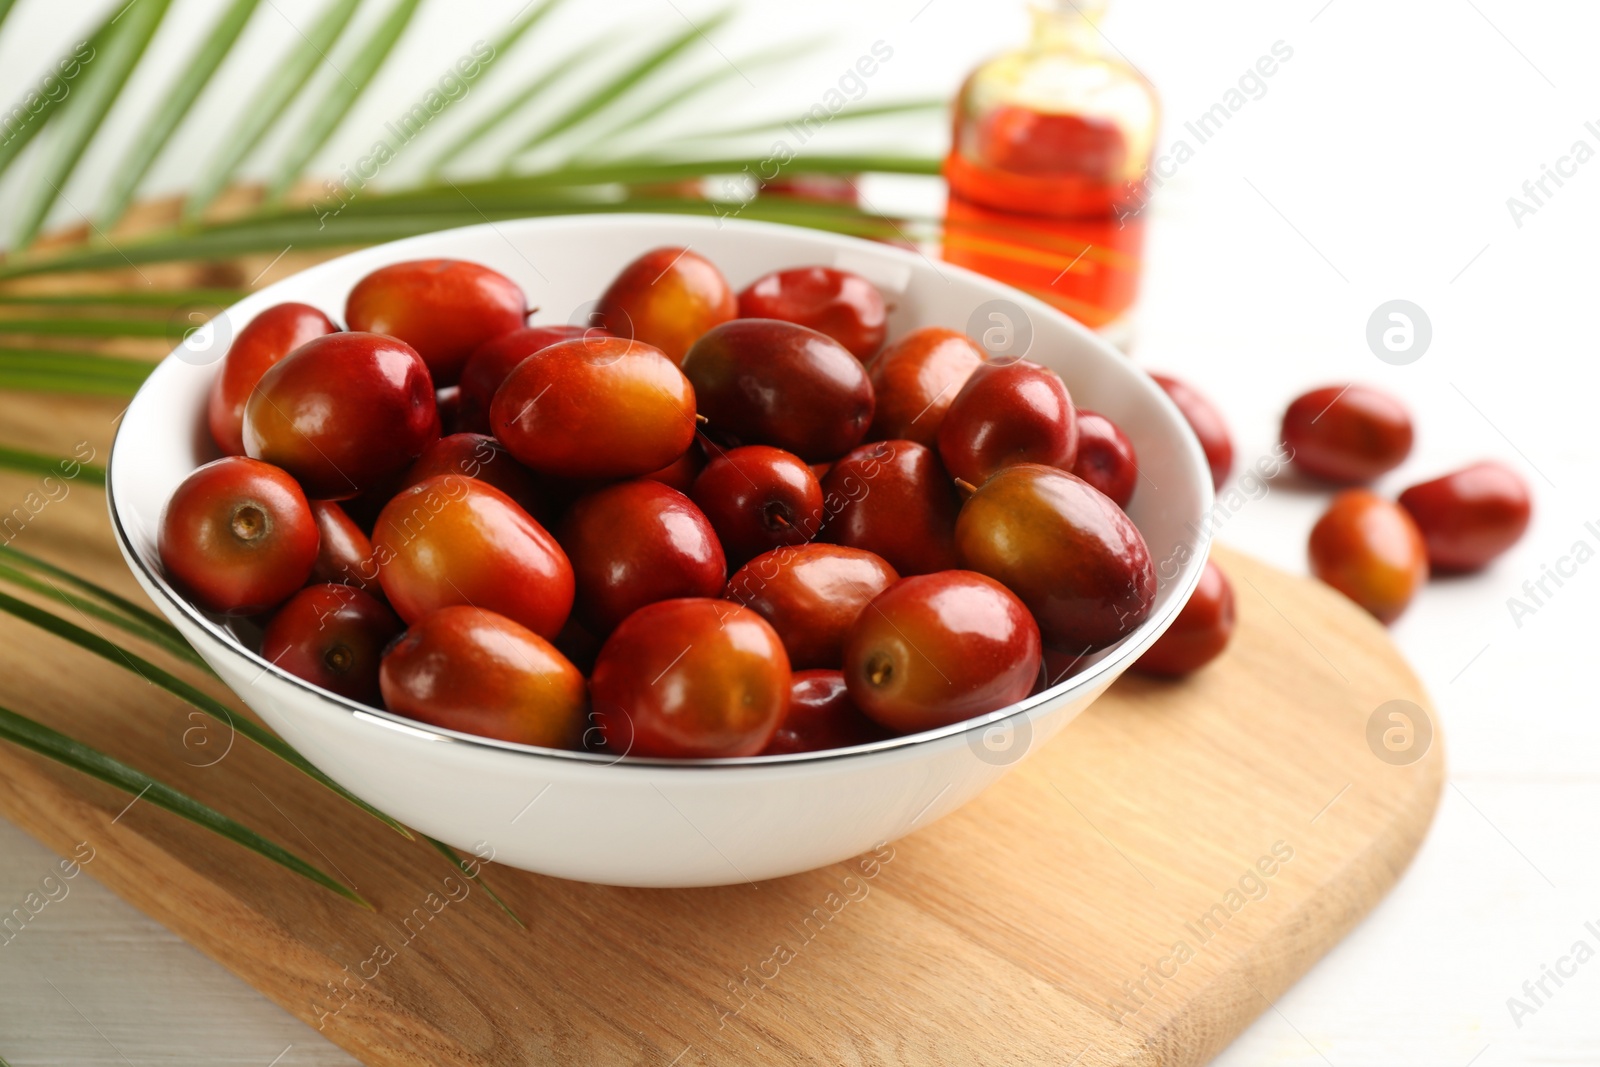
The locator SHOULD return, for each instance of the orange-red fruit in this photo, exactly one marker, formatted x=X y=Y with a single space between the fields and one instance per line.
x=1207 y=423
x=1369 y=549
x=595 y=407
x=1199 y=633
x=681 y=472
x=488 y=366
x=939 y=648
x=636 y=543
x=758 y=498
x=1074 y=558
x=1008 y=413
x=821 y=717
x=454 y=540
x=692 y=678
x=1349 y=434
x=237 y=535
x=845 y=306
x=811 y=594
x=265 y=340
x=342 y=413
x=467 y=669
x=1106 y=459
x=476 y=455
x=893 y=498
x=333 y=636
x=1469 y=517
x=667 y=297
x=916 y=379
x=443 y=308
x=344 y=553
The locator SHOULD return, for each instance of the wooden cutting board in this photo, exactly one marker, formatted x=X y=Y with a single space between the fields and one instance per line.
x=1136 y=892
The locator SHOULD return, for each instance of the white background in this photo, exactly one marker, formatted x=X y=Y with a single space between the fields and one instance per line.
x=1377 y=166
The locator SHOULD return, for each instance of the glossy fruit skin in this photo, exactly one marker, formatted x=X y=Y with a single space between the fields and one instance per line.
x=690 y=678
x=265 y=340
x=757 y=498
x=636 y=543
x=916 y=379
x=476 y=455
x=1106 y=459
x=821 y=716
x=761 y=381
x=332 y=636
x=1371 y=551
x=812 y=595
x=443 y=308
x=894 y=499
x=595 y=407
x=1200 y=632
x=467 y=669
x=1008 y=413
x=489 y=364
x=845 y=306
x=939 y=648
x=667 y=297
x=237 y=536
x=342 y=413
x=1206 y=422
x=454 y=540
x=1347 y=434
x=1470 y=516
x=681 y=472
x=1077 y=562
x=344 y=552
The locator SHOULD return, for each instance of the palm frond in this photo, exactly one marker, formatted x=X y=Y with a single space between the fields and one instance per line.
x=20 y=730
x=85 y=326
x=476 y=875
x=513 y=105
x=284 y=84
x=196 y=73
x=17 y=459
x=86 y=107
x=44 y=107
x=17 y=558
x=33 y=369
x=802 y=121
x=161 y=299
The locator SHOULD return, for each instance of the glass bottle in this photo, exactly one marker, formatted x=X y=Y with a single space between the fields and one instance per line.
x=1047 y=165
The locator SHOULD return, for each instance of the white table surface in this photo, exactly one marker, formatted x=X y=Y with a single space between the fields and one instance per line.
x=1376 y=166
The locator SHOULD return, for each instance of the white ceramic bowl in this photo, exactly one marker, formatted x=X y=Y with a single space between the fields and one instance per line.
x=653 y=822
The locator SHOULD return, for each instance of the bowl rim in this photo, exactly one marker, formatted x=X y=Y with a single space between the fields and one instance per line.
x=228 y=642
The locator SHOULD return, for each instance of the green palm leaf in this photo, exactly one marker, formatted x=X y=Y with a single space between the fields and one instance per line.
x=465 y=868
x=85 y=606
x=342 y=95
x=518 y=102
x=37 y=463
x=15 y=557
x=86 y=107
x=281 y=88
x=195 y=75
x=47 y=106
x=85 y=326
x=163 y=299
x=900 y=107
x=64 y=750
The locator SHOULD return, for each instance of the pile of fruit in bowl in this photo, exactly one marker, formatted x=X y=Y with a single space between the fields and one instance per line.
x=704 y=523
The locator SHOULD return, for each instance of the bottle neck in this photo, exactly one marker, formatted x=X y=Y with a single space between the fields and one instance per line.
x=1066 y=24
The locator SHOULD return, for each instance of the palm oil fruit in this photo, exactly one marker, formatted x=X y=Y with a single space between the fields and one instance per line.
x=821 y=716
x=443 y=308
x=344 y=552
x=493 y=360
x=757 y=498
x=332 y=636
x=916 y=379
x=693 y=678
x=637 y=542
x=1371 y=551
x=845 y=306
x=595 y=407
x=454 y=540
x=1207 y=423
x=762 y=381
x=1008 y=413
x=265 y=340
x=1347 y=434
x=894 y=499
x=939 y=648
x=1200 y=632
x=238 y=536
x=667 y=298
x=1077 y=562
x=1106 y=459
x=342 y=413
x=472 y=670
x=811 y=594
x=1470 y=516
x=476 y=455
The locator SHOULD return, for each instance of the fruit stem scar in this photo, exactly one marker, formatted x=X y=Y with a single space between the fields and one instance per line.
x=249 y=522
x=880 y=668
